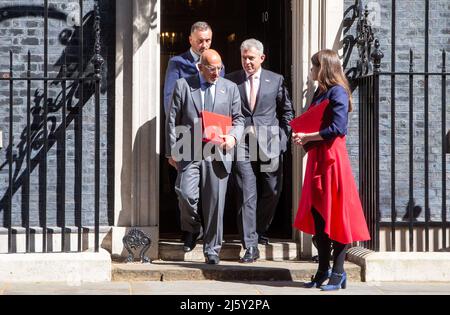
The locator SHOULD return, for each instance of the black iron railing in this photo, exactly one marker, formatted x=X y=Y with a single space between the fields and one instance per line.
x=83 y=85
x=367 y=83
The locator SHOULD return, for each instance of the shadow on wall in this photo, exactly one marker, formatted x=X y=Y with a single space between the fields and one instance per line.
x=144 y=16
x=70 y=39
x=412 y=211
x=360 y=17
x=135 y=147
x=348 y=44
x=145 y=20
x=349 y=41
x=136 y=173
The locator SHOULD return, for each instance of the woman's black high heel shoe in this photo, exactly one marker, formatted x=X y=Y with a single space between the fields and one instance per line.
x=318 y=279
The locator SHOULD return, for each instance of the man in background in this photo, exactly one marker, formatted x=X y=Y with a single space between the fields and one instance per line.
x=268 y=110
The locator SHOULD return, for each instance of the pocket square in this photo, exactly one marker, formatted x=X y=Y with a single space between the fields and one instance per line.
x=222 y=91
x=268 y=81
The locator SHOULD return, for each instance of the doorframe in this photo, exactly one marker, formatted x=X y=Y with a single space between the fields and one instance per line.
x=316 y=24
x=137 y=112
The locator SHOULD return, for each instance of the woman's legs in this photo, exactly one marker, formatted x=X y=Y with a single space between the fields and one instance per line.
x=323 y=242
x=339 y=253
x=323 y=245
x=338 y=278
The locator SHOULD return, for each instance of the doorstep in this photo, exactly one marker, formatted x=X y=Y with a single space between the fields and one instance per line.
x=276 y=250
x=226 y=271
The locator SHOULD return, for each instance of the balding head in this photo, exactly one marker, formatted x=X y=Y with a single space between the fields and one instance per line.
x=210 y=65
x=209 y=57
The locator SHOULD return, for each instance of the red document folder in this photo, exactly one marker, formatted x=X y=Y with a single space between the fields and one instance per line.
x=215 y=125
x=313 y=120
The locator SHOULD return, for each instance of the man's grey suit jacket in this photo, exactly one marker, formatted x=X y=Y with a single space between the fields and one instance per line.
x=185 y=110
x=273 y=111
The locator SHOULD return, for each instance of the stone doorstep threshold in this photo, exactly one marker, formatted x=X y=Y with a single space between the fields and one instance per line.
x=401 y=266
x=277 y=250
x=225 y=271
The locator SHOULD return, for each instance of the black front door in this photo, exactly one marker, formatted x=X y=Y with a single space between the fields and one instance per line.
x=232 y=22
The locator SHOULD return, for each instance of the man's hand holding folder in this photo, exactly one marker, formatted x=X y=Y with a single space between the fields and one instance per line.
x=215 y=130
x=312 y=121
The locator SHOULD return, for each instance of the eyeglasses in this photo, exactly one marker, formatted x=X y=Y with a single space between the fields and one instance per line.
x=213 y=69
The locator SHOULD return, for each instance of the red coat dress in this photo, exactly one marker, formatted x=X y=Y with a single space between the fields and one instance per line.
x=329 y=186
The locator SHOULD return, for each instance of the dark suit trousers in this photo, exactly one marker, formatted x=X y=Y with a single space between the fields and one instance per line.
x=205 y=183
x=257 y=196
x=173 y=174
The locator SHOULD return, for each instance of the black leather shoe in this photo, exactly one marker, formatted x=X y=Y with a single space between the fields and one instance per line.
x=190 y=240
x=212 y=259
x=251 y=255
x=263 y=240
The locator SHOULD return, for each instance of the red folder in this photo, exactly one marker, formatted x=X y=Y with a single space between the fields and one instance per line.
x=215 y=125
x=313 y=120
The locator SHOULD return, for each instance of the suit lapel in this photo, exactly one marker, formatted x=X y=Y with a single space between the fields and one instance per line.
x=241 y=87
x=263 y=83
x=196 y=94
x=261 y=87
x=220 y=93
x=191 y=68
x=189 y=57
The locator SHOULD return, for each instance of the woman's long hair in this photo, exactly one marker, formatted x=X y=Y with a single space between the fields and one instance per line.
x=331 y=73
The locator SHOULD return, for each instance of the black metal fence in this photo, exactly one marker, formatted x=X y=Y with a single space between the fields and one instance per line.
x=39 y=136
x=367 y=83
x=369 y=155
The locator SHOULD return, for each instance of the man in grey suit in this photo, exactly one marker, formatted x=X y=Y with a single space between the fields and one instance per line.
x=183 y=66
x=203 y=169
x=259 y=165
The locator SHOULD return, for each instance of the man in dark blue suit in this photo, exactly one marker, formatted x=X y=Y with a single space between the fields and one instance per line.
x=267 y=109
x=184 y=66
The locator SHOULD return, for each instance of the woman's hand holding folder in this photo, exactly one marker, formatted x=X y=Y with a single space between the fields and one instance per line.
x=306 y=128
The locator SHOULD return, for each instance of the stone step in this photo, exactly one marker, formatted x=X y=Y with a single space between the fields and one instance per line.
x=225 y=271
x=72 y=268
x=277 y=250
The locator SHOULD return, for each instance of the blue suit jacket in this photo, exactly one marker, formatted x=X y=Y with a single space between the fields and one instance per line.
x=339 y=111
x=273 y=108
x=181 y=66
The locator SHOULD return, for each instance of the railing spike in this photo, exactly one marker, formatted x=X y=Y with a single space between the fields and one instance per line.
x=411 y=60
x=376 y=56
x=444 y=56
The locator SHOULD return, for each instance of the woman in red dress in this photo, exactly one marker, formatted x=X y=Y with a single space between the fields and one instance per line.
x=330 y=207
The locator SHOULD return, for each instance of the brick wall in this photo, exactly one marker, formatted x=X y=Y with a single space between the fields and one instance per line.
x=23 y=33
x=410 y=33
